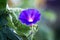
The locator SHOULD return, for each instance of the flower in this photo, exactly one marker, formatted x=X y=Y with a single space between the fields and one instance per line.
x=29 y=16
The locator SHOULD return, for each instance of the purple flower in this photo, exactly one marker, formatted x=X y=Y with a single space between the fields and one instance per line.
x=29 y=16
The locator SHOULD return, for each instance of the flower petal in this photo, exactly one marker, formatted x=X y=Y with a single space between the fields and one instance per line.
x=29 y=16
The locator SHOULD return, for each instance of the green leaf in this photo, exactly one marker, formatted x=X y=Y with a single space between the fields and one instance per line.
x=3 y=17
x=10 y=34
x=4 y=24
x=20 y=28
x=3 y=4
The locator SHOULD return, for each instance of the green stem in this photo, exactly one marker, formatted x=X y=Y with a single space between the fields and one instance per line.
x=31 y=34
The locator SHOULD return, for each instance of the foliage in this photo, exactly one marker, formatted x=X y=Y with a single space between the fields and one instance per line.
x=3 y=4
x=8 y=25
